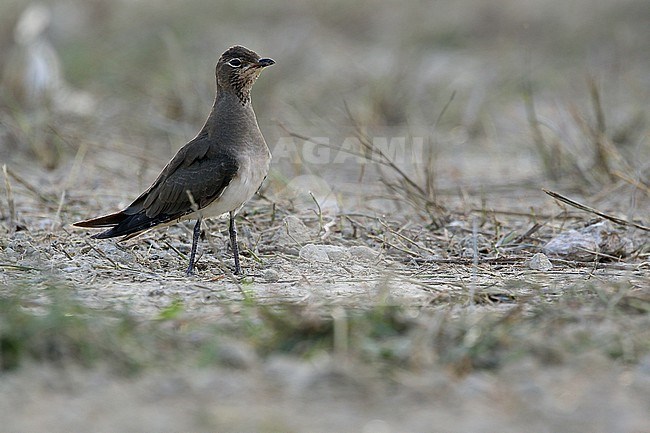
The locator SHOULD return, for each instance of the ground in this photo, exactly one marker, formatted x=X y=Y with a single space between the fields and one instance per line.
x=404 y=268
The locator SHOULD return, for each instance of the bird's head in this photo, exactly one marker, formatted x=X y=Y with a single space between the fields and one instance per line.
x=237 y=70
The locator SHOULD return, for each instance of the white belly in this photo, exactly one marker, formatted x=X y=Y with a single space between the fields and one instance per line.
x=241 y=188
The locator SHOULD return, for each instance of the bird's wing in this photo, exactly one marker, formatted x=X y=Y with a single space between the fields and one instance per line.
x=197 y=168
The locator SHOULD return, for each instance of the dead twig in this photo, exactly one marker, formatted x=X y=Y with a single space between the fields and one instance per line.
x=176 y=250
x=391 y=245
x=102 y=254
x=528 y=233
x=319 y=213
x=601 y=214
x=18 y=267
x=328 y=229
x=406 y=238
x=10 y=201
x=57 y=216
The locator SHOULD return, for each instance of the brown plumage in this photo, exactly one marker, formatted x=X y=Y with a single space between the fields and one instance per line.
x=215 y=173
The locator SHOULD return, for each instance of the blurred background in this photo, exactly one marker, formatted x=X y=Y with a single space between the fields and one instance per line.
x=494 y=93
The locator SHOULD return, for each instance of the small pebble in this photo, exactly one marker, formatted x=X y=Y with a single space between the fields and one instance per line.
x=324 y=253
x=363 y=252
x=336 y=254
x=540 y=262
x=293 y=232
x=314 y=253
x=271 y=276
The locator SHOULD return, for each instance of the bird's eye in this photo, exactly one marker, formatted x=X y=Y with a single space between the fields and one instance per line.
x=235 y=63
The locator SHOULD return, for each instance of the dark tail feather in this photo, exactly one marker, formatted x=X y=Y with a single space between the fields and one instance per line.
x=122 y=224
x=103 y=221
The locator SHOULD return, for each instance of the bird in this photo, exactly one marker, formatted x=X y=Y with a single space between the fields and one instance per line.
x=215 y=173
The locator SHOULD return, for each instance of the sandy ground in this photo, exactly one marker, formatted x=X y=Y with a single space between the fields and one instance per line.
x=281 y=393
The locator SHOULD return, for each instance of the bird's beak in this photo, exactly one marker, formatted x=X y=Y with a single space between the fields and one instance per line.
x=264 y=62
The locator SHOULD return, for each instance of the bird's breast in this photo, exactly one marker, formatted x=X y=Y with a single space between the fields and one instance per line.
x=253 y=168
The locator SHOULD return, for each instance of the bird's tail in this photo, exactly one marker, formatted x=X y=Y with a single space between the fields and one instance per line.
x=122 y=224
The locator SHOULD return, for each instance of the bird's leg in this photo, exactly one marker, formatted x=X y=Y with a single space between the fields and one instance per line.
x=195 y=241
x=233 y=243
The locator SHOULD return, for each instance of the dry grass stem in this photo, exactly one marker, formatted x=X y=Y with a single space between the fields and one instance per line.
x=586 y=208
x=10 y=201
x=45 y=198
x=550 y=156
